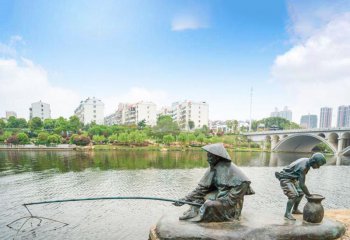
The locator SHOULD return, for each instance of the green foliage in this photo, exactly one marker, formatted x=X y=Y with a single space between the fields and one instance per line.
x=2 y=124
x=200 y=138
x=35 y=124
x=142 y=124
x=100 y=130
x=54 y=138
x=99 y=139
x=74 y=124
x=61 y=126
x=42 y=138
x=167 y=139
x=165 y=126
x=23 y=138
x=271 y=122
x=14 y=122
x=49 y=124
x=80 y=140
x=123 y=138
x=4 y=136
x=183 y=138
x=113 y=138
x=191 y=124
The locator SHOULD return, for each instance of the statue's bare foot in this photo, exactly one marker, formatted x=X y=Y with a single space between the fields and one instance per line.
x=289 y=217
x=297 y=211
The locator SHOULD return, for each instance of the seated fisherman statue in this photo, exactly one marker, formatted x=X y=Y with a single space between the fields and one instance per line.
x=292 y=181
x=221 y=190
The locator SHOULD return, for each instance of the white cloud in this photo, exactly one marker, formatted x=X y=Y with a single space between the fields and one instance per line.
x=317 y=69
x=22 y=82
x=188 y=22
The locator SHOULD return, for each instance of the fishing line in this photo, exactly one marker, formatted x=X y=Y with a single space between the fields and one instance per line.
x=79 y=200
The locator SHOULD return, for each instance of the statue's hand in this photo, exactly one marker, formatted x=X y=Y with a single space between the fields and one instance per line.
x=178 y=204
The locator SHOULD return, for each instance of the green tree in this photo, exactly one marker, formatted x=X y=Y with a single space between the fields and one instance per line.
x=165 y=126
x=113 y=138
x=140 y=137
x=74 y=124
x=167 y=139
x=2 y=124
x=35 y=124
x=98 y=139
x=61 y=126
x=22 y=138
x=4 y=136
x=183 y=138
x=200 y=138
x=123 y=138
x=280 y=123
x=49 y=124
x=142 y=124
x=42 y=137
x=54 y=138
x=12 y=140
x=191 y=137
x=14 y=122
x=191 y=124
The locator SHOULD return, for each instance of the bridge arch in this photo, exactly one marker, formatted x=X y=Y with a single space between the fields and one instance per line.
x=301 y=142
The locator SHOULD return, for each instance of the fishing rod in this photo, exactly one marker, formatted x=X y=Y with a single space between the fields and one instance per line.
x=27 y=218
x=115 y=198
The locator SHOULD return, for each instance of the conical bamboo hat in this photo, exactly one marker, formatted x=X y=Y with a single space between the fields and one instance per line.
x=217 y=149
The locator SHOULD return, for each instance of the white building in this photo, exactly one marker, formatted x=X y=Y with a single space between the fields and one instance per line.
x=10 y=114
x=326 y=117
x=133 y=113
x=40 y=109
x=188 y=112
x=285 y=113
x=90 y=110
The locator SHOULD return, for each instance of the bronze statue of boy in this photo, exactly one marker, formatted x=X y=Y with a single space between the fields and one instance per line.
x=292 y=181
x=221 y=190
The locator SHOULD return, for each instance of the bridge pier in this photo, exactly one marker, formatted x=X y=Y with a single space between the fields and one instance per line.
x=340 y=145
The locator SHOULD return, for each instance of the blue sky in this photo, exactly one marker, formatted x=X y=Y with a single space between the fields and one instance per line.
x=161 y=51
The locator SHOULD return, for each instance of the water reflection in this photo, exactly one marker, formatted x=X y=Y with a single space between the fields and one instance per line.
x=65 y=161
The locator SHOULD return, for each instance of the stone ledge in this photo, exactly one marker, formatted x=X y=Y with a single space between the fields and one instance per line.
x=266 y=227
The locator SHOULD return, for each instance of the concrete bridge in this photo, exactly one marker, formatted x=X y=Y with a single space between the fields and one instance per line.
x=304 y=140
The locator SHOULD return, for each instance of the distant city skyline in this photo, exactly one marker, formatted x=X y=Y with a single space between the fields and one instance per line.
x=132 y=50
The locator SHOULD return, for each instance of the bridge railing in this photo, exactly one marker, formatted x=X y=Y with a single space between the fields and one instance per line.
x=313 y=130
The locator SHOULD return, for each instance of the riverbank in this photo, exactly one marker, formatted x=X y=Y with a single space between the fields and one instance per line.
x=160 y=147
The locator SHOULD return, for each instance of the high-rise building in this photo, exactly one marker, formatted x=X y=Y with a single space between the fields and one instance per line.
x=326 y=117
x=10 y=114
x=90 y=110
x=40 y=109
x=343 y=116
x=133 y=113
x=308 y=121
x=191 y=115
x=285 y=113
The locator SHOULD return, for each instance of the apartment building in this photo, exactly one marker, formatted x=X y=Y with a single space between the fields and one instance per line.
x=343 y=116
x=133 y=113
x=187 y=113
x=308 y=121
x=285 y=113
x=90 y=110
x=40 y=109
x=326 y=117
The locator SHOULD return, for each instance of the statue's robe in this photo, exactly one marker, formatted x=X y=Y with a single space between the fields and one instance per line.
x=221 y=191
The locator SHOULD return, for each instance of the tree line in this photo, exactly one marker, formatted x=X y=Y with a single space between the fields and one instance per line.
x=61 y=130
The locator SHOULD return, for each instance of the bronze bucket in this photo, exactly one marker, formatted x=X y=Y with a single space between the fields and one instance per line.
x=313 y=209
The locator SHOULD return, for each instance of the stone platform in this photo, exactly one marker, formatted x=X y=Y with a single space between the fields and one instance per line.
x=252 y=226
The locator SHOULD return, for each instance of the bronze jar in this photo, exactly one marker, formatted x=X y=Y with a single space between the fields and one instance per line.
x=313 y=209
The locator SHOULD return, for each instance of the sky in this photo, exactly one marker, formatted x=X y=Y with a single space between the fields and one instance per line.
x=291 y=53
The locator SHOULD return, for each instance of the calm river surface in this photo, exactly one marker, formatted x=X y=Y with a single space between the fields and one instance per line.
x=27 y=176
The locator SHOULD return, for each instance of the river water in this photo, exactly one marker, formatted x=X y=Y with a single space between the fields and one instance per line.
x=27 y=176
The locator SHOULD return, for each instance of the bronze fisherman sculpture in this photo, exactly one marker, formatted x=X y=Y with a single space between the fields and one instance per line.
x=221 y=190
x=292 y=181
